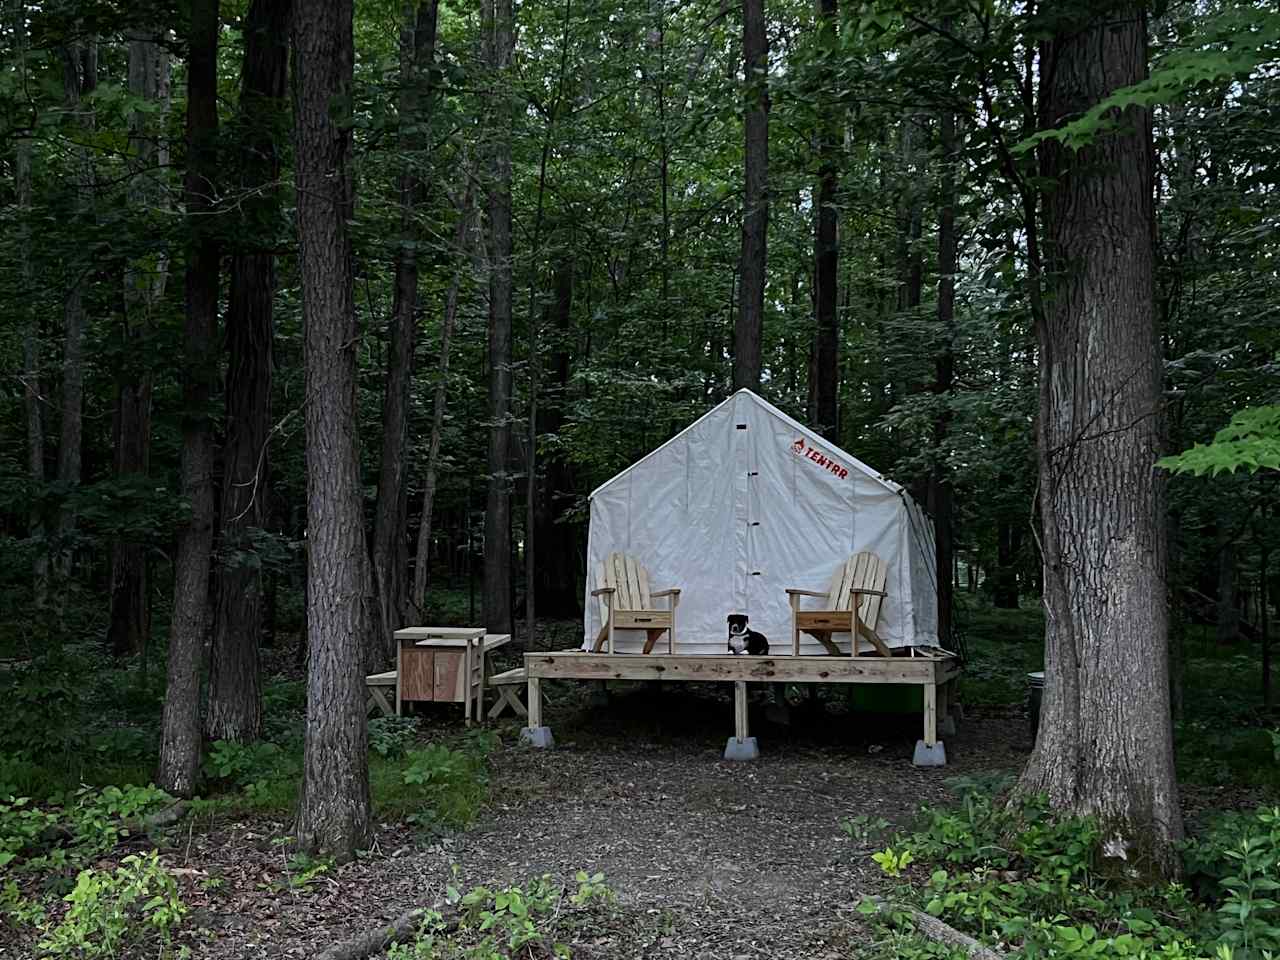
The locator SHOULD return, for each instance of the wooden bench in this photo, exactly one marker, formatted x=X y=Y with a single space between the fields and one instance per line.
x=377 y=686
x=509 y=686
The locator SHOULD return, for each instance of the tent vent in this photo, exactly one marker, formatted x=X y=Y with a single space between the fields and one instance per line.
x=742 y=426
x=753 y=473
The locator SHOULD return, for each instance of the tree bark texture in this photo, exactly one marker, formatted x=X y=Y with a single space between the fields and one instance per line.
x=1105 y=745
x=910 y=261
x=1004 y=594
x=749 y=329
x=461 y=248
x=557 y=591
x=417 y=53
x=129 y=623
x=826 y=252
x=500 y=24
x=234 y=710
x=80 y=77
x=31 y=352
x=333 y=816
x=940 y=488
x=180 y=723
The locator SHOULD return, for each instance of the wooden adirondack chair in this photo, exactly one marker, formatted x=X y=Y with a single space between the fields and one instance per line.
x=852 y=606
x=627 y=604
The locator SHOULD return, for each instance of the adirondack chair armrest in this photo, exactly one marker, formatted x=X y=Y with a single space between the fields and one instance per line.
x=868 y=593
x=805 y=593
x=673 y=592
x=604 y=591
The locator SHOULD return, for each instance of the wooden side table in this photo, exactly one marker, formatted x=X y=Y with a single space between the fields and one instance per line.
x=445 y=664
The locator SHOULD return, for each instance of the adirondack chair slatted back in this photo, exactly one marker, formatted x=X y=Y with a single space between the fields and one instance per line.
x=629 y=603
x=862 y=571
x=630 y=581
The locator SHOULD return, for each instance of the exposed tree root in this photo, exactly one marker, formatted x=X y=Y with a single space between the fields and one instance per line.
x=934 y=929
x=399 y=930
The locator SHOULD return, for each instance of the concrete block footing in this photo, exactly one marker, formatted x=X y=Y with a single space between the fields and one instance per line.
x=927 y=756
x=746 y=749
x=539 y=737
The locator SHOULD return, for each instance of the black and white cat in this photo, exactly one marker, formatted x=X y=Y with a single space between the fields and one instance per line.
x=743 y=640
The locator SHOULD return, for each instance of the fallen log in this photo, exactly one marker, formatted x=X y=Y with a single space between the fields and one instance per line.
x=61 y=833
x=934 y=929
x=400 y=930
x=161 y=818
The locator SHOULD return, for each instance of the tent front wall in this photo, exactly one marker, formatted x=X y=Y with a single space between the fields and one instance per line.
x=744 y=504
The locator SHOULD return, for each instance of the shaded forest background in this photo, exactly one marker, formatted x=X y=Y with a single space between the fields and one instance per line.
x=896 y=312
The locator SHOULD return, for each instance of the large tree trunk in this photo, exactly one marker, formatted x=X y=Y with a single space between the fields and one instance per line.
x=333 y=813
x=940 y=489
x=180 y=723
x=1105 y=745
x=80 y=77
x=129 y=623
x=826 y=252
x=462 y=252
x=417 y=51
x=557 y=591
x=748 y=331
x=32 y=400
x=499 y=22
x=235 y=691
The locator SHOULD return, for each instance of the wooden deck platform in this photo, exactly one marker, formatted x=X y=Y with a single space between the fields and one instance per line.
x=935 y=672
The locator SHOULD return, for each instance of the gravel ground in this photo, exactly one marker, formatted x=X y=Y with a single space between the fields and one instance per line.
x=708 y=859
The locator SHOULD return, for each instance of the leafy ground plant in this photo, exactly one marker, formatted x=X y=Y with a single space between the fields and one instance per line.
x=59 y=837
x=1019 y=878
x=108 y=910
x=532 y=920
x=446 y=787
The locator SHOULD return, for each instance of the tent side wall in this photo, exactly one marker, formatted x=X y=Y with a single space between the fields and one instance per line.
x=920 y=550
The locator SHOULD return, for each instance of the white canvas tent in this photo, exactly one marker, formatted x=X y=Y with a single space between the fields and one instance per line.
x=746 y=502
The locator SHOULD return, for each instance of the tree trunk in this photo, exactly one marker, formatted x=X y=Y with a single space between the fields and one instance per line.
x=333 y=815
x=180 y=724
x=32 y=400
x=80 y=77
x=1105 y=745
x=461 y=250
x=826 y=251
x=557 y=591
x=910 y=262
x=1008 y=543
x=1264 y=614
x=499 y=21
x=144 y=282
x=235 y=691
x=1227 y=628
x=748 y=331
x=940 y=489
x=417 y=53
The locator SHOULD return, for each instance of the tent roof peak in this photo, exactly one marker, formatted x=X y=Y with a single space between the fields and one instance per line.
x=750 y=396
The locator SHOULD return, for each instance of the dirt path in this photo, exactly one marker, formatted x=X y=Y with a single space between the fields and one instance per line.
x=709 y=859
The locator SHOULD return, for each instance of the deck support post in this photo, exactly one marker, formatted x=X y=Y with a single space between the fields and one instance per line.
x=535 y=734
x=740 y=745
x=930 y=751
